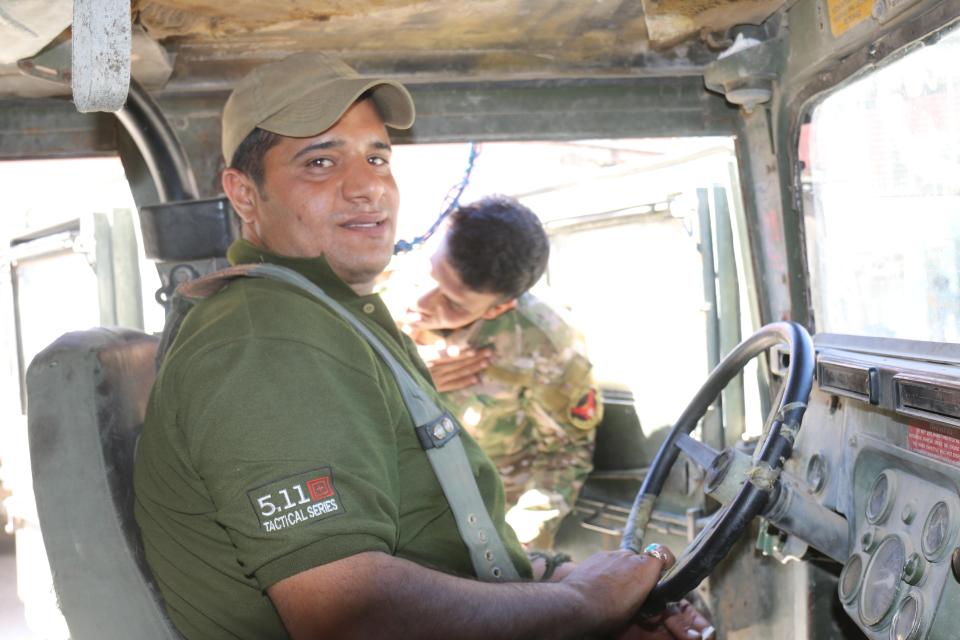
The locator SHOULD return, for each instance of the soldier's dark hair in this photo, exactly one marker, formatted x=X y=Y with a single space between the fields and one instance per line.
x=497 y=245
x=248 y=157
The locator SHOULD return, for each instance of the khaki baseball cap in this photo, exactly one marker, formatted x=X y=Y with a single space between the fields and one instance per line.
x=304 y=95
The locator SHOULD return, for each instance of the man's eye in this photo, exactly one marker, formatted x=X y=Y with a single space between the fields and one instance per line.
x=377 y=161
x=320 y=162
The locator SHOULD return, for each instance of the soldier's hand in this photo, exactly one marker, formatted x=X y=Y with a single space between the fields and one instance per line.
x=680 y=621
x=614 y=584
x=452 y=370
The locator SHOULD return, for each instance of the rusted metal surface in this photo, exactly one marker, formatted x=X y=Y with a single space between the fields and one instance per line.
x=166 y=18
x=435 y=40
x=440 y=40
x=213 y=43
x=530 y=25
x=670 y=22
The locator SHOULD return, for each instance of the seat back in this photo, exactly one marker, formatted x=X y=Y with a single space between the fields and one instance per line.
x=87 y=395
x=620 y=441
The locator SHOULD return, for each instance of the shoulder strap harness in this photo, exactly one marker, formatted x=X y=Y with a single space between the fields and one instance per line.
x=437 y=431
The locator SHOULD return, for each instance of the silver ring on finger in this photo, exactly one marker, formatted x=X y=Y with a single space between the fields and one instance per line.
x=656 y=553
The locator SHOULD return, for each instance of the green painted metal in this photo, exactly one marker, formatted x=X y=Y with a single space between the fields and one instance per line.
x=541 y=110
x=569 y=109
x=52 y=128
x=728 y=293
x=712 y=425
x=746 y=253
x=106 y=285
x=128 y=298
x=763 y=214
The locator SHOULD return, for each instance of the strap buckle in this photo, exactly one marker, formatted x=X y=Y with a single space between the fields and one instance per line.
x=439 y=432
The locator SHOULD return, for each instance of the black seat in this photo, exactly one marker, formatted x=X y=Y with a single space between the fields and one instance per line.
x=87 y=394
x=620 y=441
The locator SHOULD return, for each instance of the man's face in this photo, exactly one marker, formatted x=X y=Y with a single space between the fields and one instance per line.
x=451 y=304
x=332 y=195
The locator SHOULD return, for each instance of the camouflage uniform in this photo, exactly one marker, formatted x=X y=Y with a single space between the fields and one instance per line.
x=536 y=407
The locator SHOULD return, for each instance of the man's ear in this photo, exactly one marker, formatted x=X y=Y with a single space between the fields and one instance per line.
x=242 y=192
x=499 y=309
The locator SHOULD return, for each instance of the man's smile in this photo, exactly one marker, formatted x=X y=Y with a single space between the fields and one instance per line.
x=368 y=226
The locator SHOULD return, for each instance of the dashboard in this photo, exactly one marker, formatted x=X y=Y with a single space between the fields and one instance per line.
x=880 y=445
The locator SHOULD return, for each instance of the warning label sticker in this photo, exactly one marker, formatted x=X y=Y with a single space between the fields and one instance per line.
x=846 y=14
x=942 y=443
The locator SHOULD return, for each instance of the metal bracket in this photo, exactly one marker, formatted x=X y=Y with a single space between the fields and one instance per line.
x=747 y=76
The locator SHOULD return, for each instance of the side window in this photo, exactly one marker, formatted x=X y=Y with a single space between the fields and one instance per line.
x=630 y=224
x=55 y=290
x=882 y=199
x=73 y=257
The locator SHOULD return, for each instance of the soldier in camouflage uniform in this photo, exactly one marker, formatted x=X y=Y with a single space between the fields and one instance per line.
x=512 y=369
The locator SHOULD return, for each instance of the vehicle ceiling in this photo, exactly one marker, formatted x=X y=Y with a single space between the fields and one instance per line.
x=185 y=45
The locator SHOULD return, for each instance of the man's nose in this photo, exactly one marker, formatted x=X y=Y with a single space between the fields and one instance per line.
x=425 y=303
x=363 y=181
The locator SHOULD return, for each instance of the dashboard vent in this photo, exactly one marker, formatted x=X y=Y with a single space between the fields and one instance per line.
x=855 y=381
x=927 y=398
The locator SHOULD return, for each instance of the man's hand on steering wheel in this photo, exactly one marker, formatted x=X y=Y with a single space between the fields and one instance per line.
x=604 y=578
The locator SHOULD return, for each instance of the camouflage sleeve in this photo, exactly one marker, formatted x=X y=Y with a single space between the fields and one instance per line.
x=564 y=413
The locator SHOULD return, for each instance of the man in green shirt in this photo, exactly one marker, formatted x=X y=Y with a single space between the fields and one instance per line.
x=280 y=488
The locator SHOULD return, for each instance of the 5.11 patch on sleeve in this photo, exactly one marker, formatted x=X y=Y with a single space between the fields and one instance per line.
x=301 y=499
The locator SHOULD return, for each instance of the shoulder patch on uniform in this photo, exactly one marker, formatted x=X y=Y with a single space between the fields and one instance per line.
x=586 y=407
x=302 y=499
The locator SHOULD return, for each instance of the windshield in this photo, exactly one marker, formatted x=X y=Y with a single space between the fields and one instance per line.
x=882 y=199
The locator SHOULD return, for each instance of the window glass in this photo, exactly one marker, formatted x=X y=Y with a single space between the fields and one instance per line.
x=882 y=194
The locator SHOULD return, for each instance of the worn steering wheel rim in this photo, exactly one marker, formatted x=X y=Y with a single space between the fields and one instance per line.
x=728 y=524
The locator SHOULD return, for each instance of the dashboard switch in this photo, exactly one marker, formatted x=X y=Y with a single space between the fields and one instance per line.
x=909 y=513
x=913 y=569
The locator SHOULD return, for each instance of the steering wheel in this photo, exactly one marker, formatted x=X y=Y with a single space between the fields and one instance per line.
x=730 y=521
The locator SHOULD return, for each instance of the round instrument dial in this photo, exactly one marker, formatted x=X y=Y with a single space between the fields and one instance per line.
x=907 y=619
x=881 y=497
x=936 y=530
x=850 y=578
x=816 y=472
x=881 y=582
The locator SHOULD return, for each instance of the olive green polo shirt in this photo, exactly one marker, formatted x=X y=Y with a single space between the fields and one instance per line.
x=276 y=440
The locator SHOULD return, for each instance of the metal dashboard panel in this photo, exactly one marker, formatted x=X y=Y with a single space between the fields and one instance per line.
x=889 y=461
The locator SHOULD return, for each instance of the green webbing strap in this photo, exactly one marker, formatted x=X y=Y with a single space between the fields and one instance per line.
x=437 y=431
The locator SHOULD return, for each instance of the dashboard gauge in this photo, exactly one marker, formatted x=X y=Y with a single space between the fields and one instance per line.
x=816 y=472
x=850 y=578
x=936 y=530
x=907 y=619
x=881 y=497
x=881 y=581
